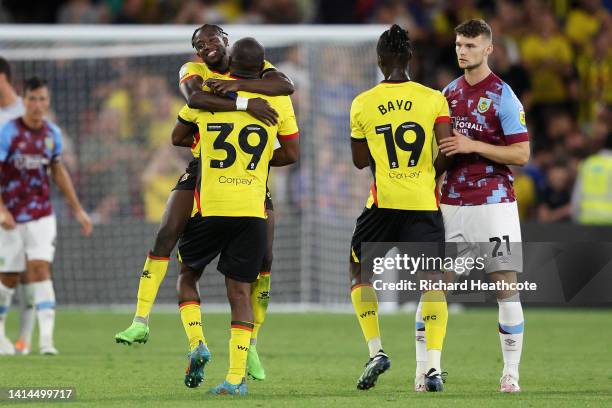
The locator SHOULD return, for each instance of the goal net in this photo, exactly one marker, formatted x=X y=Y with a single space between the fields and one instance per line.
x=115 y=96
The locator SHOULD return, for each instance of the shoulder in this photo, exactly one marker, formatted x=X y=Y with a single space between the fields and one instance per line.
x=451 y=87
x=426 y=91
x=53 y=127
x=363 y=96
x=507 y=94
x=192 y=68
x=9 y=129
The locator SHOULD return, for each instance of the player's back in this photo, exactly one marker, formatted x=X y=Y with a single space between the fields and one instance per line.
x=397 y=120
x=235 y=151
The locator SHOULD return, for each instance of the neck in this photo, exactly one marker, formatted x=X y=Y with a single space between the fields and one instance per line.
x=7 y=97
x=32 y=123
x=475 y=75
x=222 y=66
x=398 y=74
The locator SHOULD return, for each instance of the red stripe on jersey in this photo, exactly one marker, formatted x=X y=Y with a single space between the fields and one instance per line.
x=196 y=194
x=188 y=77
x=517 y=138
x=443 y=119
x=289 y=137
x=374 y=193
x=196 y=139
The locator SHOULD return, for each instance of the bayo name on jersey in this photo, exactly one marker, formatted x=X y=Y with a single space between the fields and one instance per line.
x=392 y=106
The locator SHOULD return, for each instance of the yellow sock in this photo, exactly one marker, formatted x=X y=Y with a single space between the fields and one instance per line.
x=260 y=296
x=366 y=308
x=238 y=350
x=435 y=316
x=191 y=316
x=152 y=276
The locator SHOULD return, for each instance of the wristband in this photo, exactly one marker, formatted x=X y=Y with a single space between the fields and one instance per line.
x=242 y=103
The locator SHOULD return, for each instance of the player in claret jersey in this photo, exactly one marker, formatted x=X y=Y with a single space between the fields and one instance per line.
x=478 y=202
x=392 y=130
x=196 y=81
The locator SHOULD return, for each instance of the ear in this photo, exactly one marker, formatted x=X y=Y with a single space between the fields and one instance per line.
x=489 y=49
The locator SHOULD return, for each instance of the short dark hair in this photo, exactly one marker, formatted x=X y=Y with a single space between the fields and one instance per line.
x=33 y=83
x=249 y=54
x=215 y=27
x=473 y=28
x=395 y=42
x=5 y=68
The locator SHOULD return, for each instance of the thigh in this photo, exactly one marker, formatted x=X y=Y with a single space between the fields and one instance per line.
x=12 y=250
x=374 y=225
x=201 y=242
x=39 y=239
x=242 y=255
x=496 y=230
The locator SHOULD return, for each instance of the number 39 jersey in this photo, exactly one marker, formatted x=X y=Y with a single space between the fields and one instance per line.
x=397 y=119
x=235 y=151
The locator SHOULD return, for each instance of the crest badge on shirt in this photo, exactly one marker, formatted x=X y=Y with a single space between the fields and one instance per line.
x=484 y=104
x=49 y=143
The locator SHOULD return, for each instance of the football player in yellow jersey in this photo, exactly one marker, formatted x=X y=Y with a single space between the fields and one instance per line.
x=392 y=130
x=210 y=42
x=235 y=152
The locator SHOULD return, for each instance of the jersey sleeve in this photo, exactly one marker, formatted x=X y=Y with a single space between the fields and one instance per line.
x=267 y=68
x=5 y=141
x=58 y=144
x=187 y=116
x=442 y=115
x=357 y=130
x=287 y=124
x=512 y=117
x=192 y=69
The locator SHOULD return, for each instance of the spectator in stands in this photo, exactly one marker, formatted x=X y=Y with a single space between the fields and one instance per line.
x=592 y=195
x=555 y=200
x=584 y=22
x=548 y=57
x=512 y=72
x=208 y=11
x=82 y=12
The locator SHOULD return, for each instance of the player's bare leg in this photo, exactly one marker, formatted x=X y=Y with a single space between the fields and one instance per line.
x=8 y=282
x=239 y=296
x=38 y=275
x=191 y=316
x=365 y=303
x=176 y=215
x=260 y=297
x=511 y=328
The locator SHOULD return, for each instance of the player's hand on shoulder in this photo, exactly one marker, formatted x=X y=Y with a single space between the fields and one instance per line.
x=458 y=144
x=261 y=110
x=223 y=86
x=83 y=219
x=6 y=220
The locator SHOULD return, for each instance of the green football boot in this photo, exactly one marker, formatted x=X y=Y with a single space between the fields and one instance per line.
x=254 y=367
x=136 y=333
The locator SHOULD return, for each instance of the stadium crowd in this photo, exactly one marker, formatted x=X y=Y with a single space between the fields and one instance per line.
x=556 y=55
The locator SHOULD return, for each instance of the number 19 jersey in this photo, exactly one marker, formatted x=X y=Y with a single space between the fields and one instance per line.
x=235 y=152
x=397 y=119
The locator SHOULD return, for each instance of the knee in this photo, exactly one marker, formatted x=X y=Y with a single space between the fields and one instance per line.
x=10 y=280
x=239 y=295
x=38 y=271
x=355 y=274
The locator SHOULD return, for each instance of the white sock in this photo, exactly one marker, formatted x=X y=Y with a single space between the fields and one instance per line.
x=420 y=344
x=44 y=300
x=26 y=296
x=6 y=295
x=433 y=360
x=511 y=327
x=374 y=346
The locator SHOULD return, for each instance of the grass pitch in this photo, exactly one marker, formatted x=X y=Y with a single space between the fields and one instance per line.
x=314 y=359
